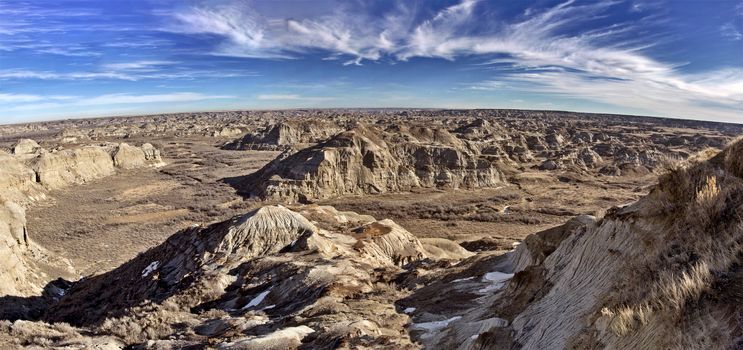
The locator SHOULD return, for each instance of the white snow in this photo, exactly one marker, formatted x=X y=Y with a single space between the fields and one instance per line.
x=273 y=340
x=150 y=268
x=431 y=327
x=496 y=279
x=258 y=299
x=269 y=307
x=462 y=279
x=408 y=310
x=515 y=244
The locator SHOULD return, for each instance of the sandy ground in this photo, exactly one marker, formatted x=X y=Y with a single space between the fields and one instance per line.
x=102 y=224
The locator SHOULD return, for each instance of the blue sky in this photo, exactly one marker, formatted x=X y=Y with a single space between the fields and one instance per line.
x=80 y=58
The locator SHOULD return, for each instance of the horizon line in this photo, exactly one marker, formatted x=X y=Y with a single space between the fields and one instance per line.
x=69 y=118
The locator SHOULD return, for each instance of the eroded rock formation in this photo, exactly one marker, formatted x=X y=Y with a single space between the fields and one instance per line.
x=660 y=273
x=25 y=178
x=284 y=134
x=365 y=160
x=267 y=278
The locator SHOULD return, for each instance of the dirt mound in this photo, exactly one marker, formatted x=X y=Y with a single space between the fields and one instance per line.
x=663 y=272
x=363 y=161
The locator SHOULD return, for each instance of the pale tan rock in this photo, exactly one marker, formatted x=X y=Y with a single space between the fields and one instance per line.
x=18 y=183
x=361 y=161
x=285 y=134
x=72 y=166
x=26 y=146
x=131 y=157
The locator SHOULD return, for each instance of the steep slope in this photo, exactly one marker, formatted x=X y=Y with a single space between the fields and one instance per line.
x=368 y=161
x=268 y=279
x=661 y=273
x=24 y=263
x=25 y=178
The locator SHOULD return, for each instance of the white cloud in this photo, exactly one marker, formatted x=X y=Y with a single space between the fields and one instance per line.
x=293 y=97
x=19 y=98
x=132 y=71
x=730 y=31
x=606 y=65
x=137 y=65
x=130 y=98
x=21 y=102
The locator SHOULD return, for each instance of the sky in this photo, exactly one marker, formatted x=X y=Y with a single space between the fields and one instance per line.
x=88 y=58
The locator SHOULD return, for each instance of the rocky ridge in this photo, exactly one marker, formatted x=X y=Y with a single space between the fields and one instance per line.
x=365 y=160
x=285 y=134
x=658 y=273
x=270 y=278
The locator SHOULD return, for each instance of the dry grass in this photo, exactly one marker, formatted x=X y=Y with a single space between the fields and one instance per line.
x=41 y=334
x=150 y=321
x=702 y=206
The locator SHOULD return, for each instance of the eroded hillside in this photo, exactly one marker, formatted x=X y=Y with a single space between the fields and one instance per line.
x=371 y=229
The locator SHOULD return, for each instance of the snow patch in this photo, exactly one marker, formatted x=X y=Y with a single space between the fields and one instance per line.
x=258 y=299
x=409 y=310
x=496 y=280
x=462 y=279
x=431 y=327
x=287 y=335
x=150 y=268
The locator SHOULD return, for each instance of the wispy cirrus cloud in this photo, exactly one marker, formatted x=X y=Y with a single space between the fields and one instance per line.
x=536 y=53
x=730 y=31
x=292 y=97
x=23 y=102
x=129 y=71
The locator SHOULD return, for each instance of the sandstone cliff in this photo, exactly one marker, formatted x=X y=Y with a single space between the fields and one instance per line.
x=24 y=263
x=368 y=161
x=25 y=178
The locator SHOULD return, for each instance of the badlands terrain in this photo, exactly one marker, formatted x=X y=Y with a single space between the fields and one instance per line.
x=391 y=229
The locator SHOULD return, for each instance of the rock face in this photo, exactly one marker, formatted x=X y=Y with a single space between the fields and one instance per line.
x=14 y=276
x=285 y=134
x=270 y=278
x=24 y=262
x=130 y=157
x=18 y=183
x=25 y=178
x=72 y=166
x=361 y=161
x=26 y=146
x=660 y=273
x=79 y=165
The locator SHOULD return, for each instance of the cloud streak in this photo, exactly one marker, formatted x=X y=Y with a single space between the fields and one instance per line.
x=23 y=102
x=537 y=52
